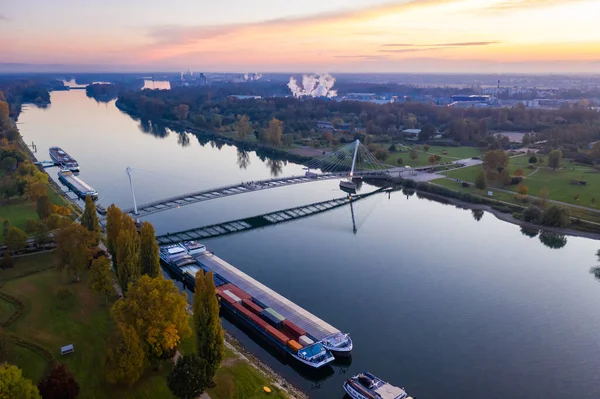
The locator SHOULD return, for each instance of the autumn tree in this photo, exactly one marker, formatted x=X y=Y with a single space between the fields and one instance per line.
x=495 y=165
x=128 y=253
x=150 y=262
x=188 y=378
x=242 y=126
x=113 y=226
x=73 y=244
x=182 y=111
x=37 y=190
x=480 y=181
x=59 y=383
x=554 y=159
x=426 y=147
x=432 y=160
x=275 y=131
x=209 y=332
x=14 y=385
x=519 y=172
x=522 y=189
x=595 y=152
x=89 y=219
x=414 y=155
x=125 y=356
x=43 y=207
x=15 y=239
x=156 y=310
x=100 y=277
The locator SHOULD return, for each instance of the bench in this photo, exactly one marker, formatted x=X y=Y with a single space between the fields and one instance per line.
x=67 y=349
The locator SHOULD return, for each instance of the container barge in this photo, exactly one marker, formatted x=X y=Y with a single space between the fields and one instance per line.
x=305 y=337
x=78 y=186
x=62 y=159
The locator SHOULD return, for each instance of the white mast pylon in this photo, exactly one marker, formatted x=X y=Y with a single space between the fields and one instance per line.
x=135 y=210
x=354 y=158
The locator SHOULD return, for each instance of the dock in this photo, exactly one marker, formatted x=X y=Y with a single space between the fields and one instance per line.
x=299 y=316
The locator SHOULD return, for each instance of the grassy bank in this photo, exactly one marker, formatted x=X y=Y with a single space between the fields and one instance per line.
x=81 y=318
x=447 y=154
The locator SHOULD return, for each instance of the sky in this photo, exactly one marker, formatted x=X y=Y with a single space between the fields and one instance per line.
x=429 y=36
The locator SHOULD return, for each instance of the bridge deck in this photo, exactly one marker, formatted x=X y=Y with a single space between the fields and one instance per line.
x=288 y=309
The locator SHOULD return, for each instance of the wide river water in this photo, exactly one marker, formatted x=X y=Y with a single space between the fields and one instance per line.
x=435 y=301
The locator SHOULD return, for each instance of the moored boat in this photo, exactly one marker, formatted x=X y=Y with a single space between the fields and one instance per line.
x=78 y=186
x=339 y=344
x=348 y=186
x=194 y=247
x=64 y=160
x=366 y=386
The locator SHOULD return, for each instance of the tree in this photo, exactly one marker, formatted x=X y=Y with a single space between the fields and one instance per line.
x=400 y=161
x=14 y=385
x=531 y=233
x=182 y=111
x=556 y=216
x=432 y=160
x=522 y=189
x=427 y=132
x=156 y=310
x=477 y=214
x=89 y=219
x=480 y=181
x=533 y=159
x=8 y=164
x=595 y=152
x=519 y=172
x=9 y=187
x=533 y=214
x=37 y=190
x=554 y=159
x=73 y=244
x=15 y=239
x=426 y=147
x=128 y=253
x=414 y=155
x=544 y=195
x=41 y=234
x=125 y=357
x=495 y=165
x=275 y=131
x=150 y=262
x=242 y=126
x=59 y=383
x=209 y=332
x=113 y=226
x=100 y=278
x=188 y=378
x=552 y=239
x=43 y=207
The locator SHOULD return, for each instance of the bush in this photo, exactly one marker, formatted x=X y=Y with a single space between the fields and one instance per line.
x=480 y=181
x=502 y=208
x=465 y=184
x=533 y=159
x=515 y=180
x=556 y=216
x=533 y=214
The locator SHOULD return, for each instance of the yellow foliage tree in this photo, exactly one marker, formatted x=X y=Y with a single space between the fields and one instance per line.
x=156 y=310
x=522 y=189
x=125 y=357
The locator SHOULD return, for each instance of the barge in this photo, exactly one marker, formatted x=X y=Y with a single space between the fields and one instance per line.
x=64 y=160
x=290 y=328
x=366 y=386
x=78 y=186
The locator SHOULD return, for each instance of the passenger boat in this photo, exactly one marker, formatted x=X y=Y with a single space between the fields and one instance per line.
x=64 y=160
x=194 y=247
x=338 y=343
x=366 y=386
x=175 y=257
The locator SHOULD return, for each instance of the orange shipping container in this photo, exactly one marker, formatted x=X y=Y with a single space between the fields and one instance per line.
x=293 y=345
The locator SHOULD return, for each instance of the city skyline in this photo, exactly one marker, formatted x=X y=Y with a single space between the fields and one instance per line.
x=435 y=36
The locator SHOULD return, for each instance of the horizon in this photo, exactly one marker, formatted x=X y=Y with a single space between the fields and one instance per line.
x=342 y=36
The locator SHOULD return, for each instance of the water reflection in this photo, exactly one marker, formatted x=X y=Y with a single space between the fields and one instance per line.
x=183 y=139
x=477 y=214
x=529 y=232
x=275 y=166
x=595 y=270
x=155 y=129
x=408 y=192
x=553 y=239
x=243 y=158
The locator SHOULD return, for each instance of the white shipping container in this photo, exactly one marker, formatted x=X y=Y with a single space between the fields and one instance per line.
x=305 y=341
x=232 y=296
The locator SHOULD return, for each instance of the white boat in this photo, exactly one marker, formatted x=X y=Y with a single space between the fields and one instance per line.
x=338 y=344
x=366 y=386
x=194 y=248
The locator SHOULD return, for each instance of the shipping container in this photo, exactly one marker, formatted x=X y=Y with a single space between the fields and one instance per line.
x=248 y=304
x=218 y=281
x=272 y=316
x=293 y=345
x=230 y=294
x=305 y=341
x=225 y=297
x=259 y=303
x=275 y=333
x=278 y=335
x=293 y=329
x=235 y=290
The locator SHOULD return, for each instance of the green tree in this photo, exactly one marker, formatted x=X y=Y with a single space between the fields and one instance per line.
x=480 y=181
x=89 y=219
x=59 y=383
x=101 y=280
x=113 y=226
x=427 y=132
x=73 y=244
x=125 y=357
x=414 y=155
x=554 y=159
x=43 y=207
x=8 y=164
x=14 y=385
x=15 y=239
x=533 y=159
x=556 y=216
x=128 y=253
x=150 y=262
x=156 y=310
x=400 y=161
x=552 y=239
x=533 y=214
x=242 y=127
x=426 y=147
x=495 y=165
x=188 y=378
x=209 y=332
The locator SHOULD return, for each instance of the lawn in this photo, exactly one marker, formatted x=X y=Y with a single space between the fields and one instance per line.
x=452 y=154
x=83 y=319
x=17 y=212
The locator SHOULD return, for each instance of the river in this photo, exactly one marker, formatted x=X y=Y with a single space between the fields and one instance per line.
x=436 y=301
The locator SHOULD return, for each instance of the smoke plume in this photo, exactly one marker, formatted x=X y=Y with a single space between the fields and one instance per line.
x=250 y=77
x=314 y=86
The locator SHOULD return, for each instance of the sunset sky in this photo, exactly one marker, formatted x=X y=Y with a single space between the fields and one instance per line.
x=306 y=35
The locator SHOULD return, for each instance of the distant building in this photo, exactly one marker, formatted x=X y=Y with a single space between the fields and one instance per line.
x=473 y=98
x=325 y=125
x=411 y=134
x=244 y=97
x=191 y=79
